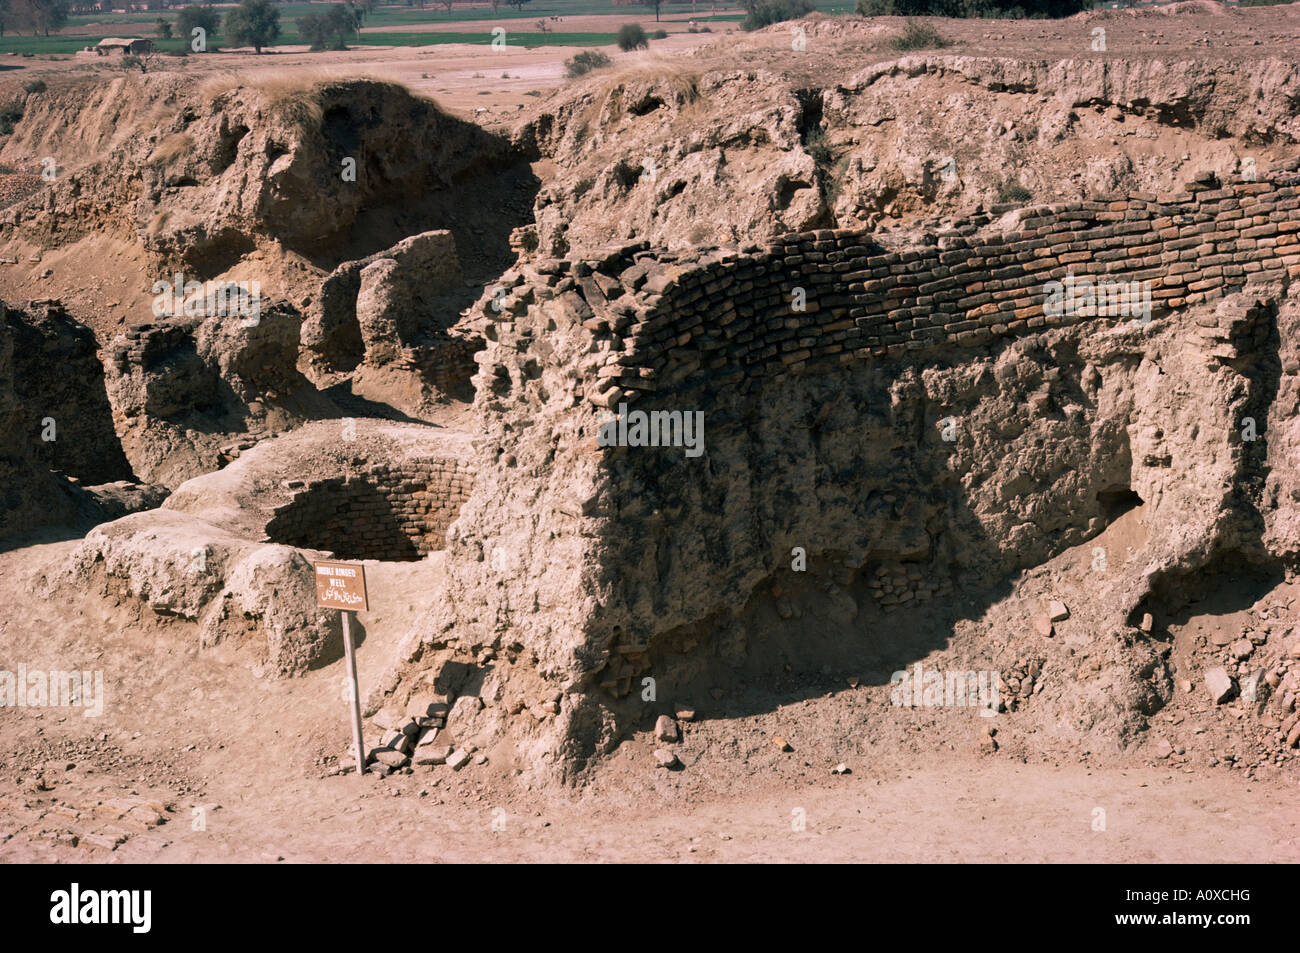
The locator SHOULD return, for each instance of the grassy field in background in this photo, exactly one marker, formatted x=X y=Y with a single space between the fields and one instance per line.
x=373 y=33
x=69 y=45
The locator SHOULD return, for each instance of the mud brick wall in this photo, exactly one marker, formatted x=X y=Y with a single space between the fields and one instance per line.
x=447 y=367
x=86 y=446
x=143 y=345
x=727 y=318
x=392 y=512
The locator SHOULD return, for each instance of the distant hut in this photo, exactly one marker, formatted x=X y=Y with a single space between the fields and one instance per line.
x=114 y=46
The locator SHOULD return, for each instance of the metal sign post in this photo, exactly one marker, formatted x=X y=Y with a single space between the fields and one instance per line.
x=342 y=586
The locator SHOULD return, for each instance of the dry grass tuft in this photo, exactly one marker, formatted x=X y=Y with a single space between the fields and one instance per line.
x=172 y=148
x=682 y=85
x=293 y=91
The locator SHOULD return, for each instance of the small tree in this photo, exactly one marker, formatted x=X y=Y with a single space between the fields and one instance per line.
x=163 y=28
x=632 y=37
x=194 y=17
x=654 y=5
x=517 y=4
x=329 y=30
x=43 y=15
x=761 y=13
x=254 y=23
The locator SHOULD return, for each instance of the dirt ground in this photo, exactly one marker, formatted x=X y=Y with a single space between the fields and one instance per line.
x=196 y=759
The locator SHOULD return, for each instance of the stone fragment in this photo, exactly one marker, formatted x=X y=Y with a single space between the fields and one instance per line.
x=1057 y=611
x=458 y=759
x=781 y=744
x=666 y=729
x=665 y=759
x=432 y=754
x=389 y=757
x=1219 y=684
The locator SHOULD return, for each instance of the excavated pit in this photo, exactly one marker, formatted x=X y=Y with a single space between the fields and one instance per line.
x=398 y=513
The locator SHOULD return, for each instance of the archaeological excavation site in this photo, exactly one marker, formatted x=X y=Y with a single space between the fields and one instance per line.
x=746 y=427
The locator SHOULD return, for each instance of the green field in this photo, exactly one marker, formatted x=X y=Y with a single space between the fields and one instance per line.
x=69 y=45
x=373 y=32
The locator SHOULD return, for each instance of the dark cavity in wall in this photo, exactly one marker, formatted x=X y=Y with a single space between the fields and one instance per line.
x=351 y=518
x=1117 y=501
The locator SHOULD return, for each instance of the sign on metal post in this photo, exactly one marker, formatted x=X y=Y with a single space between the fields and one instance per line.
x=342 y=586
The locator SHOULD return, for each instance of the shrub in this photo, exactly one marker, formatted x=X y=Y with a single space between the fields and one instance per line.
x=817 y=148
x=1012 y=191
x=584 y=62
x=632 y=37
x=659 y=35
x=761 y=13
x=919 y=36
x=9 y=116
x=35 y=86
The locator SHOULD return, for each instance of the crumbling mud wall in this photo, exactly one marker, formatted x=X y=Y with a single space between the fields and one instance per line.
x=390 y=320
x=188 y=391
x=928 y=419
x=640 y=155
x=62 y=466
x=203 y=173
x=30 y=495
x=59 y=382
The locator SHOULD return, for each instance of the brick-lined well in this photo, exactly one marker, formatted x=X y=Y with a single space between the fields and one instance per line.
x=397 y=512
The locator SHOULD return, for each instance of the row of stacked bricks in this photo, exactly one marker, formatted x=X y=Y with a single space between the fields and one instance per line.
x=142 y=345
x=421 y=499
x=737 y=315
x=426 y=497
x=448 y=365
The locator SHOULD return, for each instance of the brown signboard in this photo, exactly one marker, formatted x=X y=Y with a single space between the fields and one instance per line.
x=341 y=586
